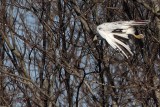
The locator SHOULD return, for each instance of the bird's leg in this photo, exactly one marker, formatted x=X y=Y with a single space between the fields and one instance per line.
x=140 y=36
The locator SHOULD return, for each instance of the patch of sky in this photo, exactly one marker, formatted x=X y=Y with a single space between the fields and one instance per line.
x=19 y=101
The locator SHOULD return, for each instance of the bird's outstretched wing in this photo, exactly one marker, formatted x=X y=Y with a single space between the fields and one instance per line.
x=121 y=29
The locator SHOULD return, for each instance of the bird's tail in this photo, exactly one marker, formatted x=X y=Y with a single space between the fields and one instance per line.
x=141 y=22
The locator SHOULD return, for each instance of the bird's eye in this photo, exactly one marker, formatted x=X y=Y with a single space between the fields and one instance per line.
x=100 y=28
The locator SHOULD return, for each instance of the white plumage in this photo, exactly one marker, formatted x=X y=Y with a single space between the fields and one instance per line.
x=121 y=29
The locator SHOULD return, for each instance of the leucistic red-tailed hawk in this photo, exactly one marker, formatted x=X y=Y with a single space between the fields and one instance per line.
x=121 y=29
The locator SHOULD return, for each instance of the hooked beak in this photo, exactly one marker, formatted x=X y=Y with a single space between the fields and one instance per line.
x=95 y=38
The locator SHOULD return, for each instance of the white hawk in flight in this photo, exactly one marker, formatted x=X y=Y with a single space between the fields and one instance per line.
x=121 y=29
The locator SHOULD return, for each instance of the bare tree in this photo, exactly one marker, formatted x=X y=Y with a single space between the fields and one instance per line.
x=48 y=57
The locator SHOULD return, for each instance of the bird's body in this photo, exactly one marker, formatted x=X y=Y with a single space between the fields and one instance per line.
x=121 y=29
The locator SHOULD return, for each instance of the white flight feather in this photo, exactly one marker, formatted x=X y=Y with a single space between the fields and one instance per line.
x=126 y=27
x=113 y=42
